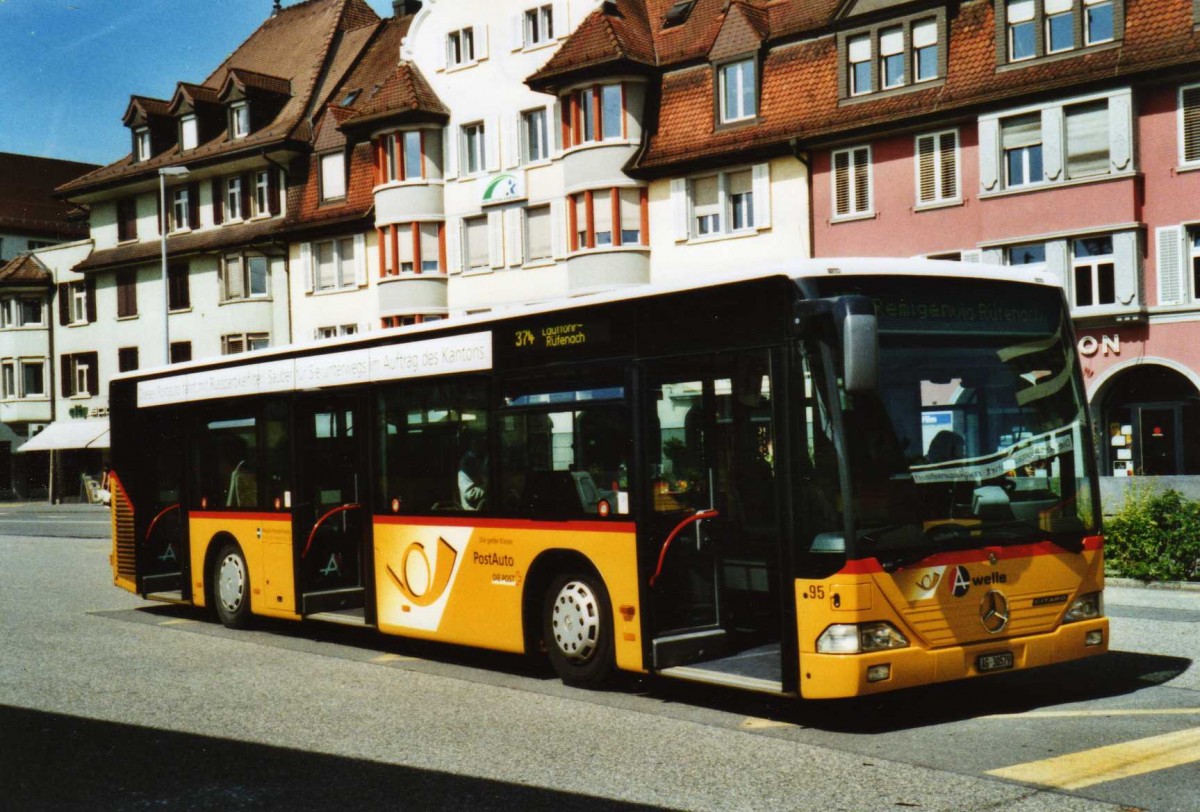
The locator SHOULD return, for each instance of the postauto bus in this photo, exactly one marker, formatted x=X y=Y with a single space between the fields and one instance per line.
x=841 y=478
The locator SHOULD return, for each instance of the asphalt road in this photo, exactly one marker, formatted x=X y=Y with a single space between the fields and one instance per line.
x=108 y=702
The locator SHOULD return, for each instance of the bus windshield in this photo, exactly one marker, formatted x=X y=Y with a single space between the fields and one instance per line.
x=977 y=434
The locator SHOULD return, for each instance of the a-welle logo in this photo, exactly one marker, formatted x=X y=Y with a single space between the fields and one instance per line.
x=420 y=583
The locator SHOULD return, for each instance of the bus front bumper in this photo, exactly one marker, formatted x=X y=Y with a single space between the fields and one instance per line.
x=836 y=676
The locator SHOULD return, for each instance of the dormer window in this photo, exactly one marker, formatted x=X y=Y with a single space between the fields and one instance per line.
x=895 y=56
x=1098 y=21
x=239 y=114
x=891 y=57
x=859 y=49
x=189 y=134
x=738 y=91
x=333 y=176
x=141 y=140
x=1029 y=30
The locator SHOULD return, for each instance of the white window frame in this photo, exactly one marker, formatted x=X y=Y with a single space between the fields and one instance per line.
x=141 y=137
x=738 y=72
x=332 y=169
x=1010 y=33
x=528 y=241
x=919 y=46
x=246 y=280
x=866 y=59
x=79 y=308
x=239 y=113
x=340 y=282
x=535 y=121
x=8 y=379
x=233 y=199
x=537 y=25
x=1191 y=235
x=79 y=377
x=247 y=342
x=460 y=48
x=1049 y=15
x=887 y=53
x=189 y=132
x=466 y=244
x=180 y=210
x=728 y=204
x=1093 y=265
x=1087 y=29
x=858 y=208
x=23 y=391
x=262 y=193
x=939 y=168
x=469 y=156
x=1025 y=154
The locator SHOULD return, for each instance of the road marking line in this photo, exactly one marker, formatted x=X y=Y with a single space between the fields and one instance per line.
x=393 y=658
x=754 y=723
x=177 y=621
x=1109 y=763
x=1099 y=713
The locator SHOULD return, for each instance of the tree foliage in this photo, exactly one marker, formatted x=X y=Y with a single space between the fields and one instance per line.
x=1155 y=536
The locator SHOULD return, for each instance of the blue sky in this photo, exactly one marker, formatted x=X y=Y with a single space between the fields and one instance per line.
x=68 y=67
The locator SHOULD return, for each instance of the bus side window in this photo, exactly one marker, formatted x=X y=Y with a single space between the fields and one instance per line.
x=433 y=447
x=226 y=472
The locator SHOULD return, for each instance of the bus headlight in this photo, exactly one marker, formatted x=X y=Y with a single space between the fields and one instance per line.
x=1085 y=607
x=859 y=638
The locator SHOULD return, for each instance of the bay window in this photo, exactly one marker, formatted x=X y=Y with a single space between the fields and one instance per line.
x=411 y=248
x=595 y=113
x=601 y=218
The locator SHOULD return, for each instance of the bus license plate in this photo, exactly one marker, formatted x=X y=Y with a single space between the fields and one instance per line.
x=986 y=663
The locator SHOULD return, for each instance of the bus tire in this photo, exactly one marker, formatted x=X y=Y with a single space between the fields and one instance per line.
x=578 y=629
x=231 y=587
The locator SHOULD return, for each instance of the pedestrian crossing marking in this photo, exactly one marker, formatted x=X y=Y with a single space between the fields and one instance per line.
x=1109 y=763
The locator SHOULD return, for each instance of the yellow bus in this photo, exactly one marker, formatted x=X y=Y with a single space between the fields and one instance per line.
x=840 y=479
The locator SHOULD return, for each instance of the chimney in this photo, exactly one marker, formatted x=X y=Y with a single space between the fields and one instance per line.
x=276 y=7
x=402 y=8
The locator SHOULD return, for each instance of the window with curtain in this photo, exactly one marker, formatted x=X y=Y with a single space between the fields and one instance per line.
x=891 y=57
x=1022 y=30
x=859 y=54
x=1021 y=143
x=925 y=50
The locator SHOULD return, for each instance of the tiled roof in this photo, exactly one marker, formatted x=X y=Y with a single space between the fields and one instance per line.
x=144 y=106
x=386 y=86
x=193 y=95
x=23 y=271
x=309 y=45
x=800 y=94
x=602 y=39
x=308 y=211
x=251 y=80
x=27 y=202
x=181 y=245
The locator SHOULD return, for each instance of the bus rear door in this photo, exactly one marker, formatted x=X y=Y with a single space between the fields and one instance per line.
x=331 y=511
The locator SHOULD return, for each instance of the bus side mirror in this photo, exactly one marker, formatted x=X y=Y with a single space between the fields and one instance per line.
x=860 y=344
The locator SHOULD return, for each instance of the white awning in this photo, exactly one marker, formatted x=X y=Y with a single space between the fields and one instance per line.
x=69 y=434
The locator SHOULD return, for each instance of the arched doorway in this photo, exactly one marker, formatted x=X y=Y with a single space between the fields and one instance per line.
x=1149 y=423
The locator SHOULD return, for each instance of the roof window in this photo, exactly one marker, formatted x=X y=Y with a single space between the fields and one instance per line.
x=678 y=13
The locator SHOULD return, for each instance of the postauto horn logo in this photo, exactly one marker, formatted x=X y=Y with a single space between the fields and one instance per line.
x=417 y=581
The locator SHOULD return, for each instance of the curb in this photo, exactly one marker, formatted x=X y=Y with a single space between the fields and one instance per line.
x=1167 y=586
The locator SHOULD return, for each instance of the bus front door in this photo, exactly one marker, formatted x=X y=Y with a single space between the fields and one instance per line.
x=711 y=539
x=330 y=515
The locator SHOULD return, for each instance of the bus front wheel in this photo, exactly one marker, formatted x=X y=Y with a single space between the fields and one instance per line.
x=231 y=587
x=578 y=629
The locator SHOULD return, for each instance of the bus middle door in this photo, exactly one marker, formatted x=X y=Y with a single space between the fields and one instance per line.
x=331 y=513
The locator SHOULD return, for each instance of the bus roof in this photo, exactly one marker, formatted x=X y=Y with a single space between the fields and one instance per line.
x=799 y=269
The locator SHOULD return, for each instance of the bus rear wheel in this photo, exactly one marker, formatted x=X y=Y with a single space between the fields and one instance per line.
x=231 y=587
x=578 y=629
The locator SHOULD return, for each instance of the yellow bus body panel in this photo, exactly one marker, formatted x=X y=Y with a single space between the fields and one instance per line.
x=463 y=583
x=266 y=542
x=937 y=606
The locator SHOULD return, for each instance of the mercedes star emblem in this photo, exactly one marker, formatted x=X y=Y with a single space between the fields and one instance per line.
x=993 y=611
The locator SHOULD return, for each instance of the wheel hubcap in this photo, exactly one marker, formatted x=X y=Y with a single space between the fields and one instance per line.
x=575 y=621
x=231 y=583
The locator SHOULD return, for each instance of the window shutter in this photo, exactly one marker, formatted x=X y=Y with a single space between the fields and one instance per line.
x=360 y=259
x=64 y=303
x=1058 y=261
x=762 y=196
x=450 y=152
x=454 y=244
x=1126 y=257
x=516 y=222
x=679 y=210
x=512 y=126
x=841 y=183
x=949 y=165
x=495 y=230
x=1053 y=150
x=491 y=140
x=1170 y=262
x=554 y=130
x=558 y=228
x=1120 y=128
x=481 y=43
x=516 y=32
x=93 y=372
x=306 y=266
x=218 y=201
x=1189 y=103
x=65 y=376
x=926 y=169
x=273 y=187
x=989 y=154
x=90 y=288
x=193 y=205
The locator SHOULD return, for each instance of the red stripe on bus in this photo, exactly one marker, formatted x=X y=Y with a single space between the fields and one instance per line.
x=243 y=517
x=508 y=524
x=868 y=566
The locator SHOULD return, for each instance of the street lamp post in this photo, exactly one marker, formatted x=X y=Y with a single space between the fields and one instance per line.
x=163 y=173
